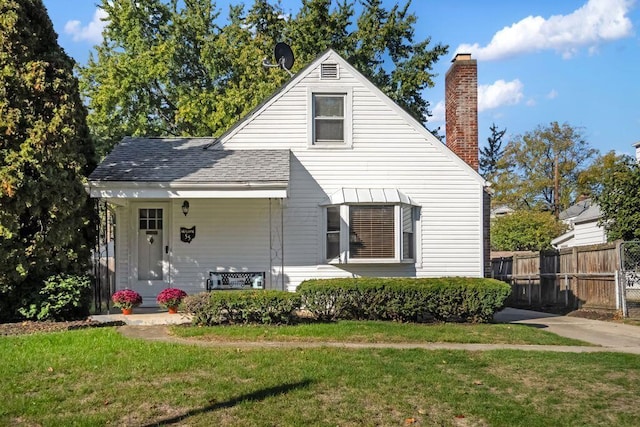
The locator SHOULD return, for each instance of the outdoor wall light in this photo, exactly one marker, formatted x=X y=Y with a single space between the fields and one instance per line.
x=185 y=207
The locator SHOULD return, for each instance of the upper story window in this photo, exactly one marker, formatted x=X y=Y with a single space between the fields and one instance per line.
x=328 y=118
x=329 y=124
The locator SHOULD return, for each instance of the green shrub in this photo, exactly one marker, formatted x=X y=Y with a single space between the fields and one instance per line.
x=199 y=306
x=62 y=297
x=233 y=307
x=404 y=299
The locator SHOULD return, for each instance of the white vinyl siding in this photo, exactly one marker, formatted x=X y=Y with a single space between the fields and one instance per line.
x=122 y=247
x=387 y=152
x=588 y=233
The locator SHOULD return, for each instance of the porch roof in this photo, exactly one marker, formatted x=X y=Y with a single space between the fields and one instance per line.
x=182 y=167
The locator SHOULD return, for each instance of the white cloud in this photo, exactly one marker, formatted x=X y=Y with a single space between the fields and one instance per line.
x=499 y=93
x=553 y=94
x=437 y=113
x=489 y=97
x=595 y=22
x=91 y=32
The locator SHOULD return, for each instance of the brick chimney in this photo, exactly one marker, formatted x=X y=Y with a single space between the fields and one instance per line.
x=461 y=110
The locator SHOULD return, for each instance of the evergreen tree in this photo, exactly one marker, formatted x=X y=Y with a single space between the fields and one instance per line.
x=176 y=68
x=491 y=154
x=44 y=151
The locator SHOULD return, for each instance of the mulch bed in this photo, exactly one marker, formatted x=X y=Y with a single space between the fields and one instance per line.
x=31 y=327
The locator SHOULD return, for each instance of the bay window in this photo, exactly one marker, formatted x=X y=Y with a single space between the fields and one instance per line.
x=370 y=233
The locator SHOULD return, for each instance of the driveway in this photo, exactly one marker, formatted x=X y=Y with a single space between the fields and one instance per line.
x=616 y=336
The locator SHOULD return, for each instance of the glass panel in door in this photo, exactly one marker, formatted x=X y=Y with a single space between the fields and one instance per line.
x=150 y=243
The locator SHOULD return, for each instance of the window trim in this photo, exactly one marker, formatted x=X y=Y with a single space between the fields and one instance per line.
x=345 y=91
x=344 y=256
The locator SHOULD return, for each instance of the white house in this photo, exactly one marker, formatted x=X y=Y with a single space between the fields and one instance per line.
x=326 y=178
x=582 y=218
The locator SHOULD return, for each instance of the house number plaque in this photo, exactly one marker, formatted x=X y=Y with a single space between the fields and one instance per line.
x=187 y=234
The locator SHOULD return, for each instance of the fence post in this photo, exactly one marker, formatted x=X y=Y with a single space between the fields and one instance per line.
x=529 y=290
x=566 y=290
x=623 y=295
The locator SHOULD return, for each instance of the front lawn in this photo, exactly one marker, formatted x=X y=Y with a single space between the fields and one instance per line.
x=375 y=332
x=98 y=377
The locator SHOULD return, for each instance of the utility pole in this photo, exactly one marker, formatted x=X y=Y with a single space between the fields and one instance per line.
x=556 y=186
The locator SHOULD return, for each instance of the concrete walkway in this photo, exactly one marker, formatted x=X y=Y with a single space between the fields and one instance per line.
x=143 y=316
x=611 y=335
x=605 y=336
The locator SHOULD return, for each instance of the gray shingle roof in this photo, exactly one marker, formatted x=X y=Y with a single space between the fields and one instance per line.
x=185 y=160
x=576 y=209
x=592 y=213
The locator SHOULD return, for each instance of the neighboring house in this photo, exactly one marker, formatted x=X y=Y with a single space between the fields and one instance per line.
x=582 y=219
x=327 y=178
x=500 y=211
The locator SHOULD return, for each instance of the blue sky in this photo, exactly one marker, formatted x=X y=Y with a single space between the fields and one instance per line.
x=573 y=61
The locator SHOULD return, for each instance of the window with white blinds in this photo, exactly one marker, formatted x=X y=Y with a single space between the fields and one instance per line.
x=371 y=232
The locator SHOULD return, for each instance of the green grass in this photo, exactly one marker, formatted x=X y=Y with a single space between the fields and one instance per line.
x=375 y=332
x=98 y=377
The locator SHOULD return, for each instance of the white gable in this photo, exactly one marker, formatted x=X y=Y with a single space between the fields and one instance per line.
x=283 y=120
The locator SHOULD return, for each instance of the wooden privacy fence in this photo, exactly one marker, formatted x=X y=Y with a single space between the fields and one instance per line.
x=578 y=277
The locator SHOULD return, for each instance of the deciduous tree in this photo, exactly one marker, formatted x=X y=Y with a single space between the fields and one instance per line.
x=540 y=169
x=44 y=151
x=179 y=68
x=525 y=230
x=619 y=201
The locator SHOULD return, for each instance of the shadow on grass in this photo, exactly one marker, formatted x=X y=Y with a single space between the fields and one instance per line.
x=255 y=396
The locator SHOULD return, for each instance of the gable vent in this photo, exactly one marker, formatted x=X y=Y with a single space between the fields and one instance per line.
x=329 y=71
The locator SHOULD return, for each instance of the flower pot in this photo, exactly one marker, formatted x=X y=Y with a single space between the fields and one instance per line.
x=127 y=311
x=173 y=310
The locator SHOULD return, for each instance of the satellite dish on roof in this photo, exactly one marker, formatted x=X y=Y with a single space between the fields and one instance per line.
x=284 y=58
x=284 y=55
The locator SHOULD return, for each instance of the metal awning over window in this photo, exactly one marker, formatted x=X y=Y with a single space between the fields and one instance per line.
x=368 y=195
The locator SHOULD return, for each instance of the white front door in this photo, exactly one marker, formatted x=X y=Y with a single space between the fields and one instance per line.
x=151 y=251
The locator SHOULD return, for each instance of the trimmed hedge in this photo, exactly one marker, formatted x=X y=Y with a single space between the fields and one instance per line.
x=457 y=299
x=233 y=307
